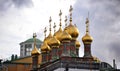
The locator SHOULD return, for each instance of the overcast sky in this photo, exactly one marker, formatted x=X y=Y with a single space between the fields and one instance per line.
x=19 y=19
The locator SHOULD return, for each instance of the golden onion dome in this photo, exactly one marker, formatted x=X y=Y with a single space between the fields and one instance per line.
x=35 y=51
x=87 y=39
x=77 y=43
x=54 y=41
x=48 y=38
x=58 y=34
x=73 y=31
x=45 y=47
x=65 y=36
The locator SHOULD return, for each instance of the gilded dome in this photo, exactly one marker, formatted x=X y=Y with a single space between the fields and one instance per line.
x=35 y=51
x=87 y=39
x=77 y=43
x=48 y=38
x=65 y=36
x=54 y=42
x=73 y=31
x=45 y=47
x=58 y=34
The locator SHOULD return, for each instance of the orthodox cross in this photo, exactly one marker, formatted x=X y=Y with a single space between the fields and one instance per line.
x=50 y=23
x=70 y=10
x=60 y=17
x=87 y=25
x=34 y=36
x=45 y=30
x=66 y=21
x=54 y=27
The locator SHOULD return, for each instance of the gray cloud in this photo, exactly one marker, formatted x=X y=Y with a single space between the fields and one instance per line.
x=6 y=4
x=104 y=26
x=20 y=3
x=109 y=15
x=115 y=50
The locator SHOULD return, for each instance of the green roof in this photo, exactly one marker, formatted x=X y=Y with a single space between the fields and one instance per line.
x=31 y=40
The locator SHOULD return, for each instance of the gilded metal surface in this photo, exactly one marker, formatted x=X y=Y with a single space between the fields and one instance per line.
x=45 y=47
x=65 y=36
x=77 y=43
x=87 y=39
x=35 y=51
x=54 y=42
x=72 y=30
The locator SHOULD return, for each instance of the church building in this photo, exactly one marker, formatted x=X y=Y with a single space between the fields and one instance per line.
x=60 y=51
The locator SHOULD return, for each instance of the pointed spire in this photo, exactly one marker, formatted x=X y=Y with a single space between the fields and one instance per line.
x=70 y=10
x=50 y=23
x=34 y=36
x=60 y=18
x=65 y=21
x=54 y=27
x=45 y=30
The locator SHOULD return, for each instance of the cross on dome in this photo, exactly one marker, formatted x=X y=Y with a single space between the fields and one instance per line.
x=45 y=30
x=50 y=23
x=60 y=17
x=66 y=21
x=54 y=27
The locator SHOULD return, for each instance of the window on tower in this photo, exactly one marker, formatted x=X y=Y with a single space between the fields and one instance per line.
x=28 y=49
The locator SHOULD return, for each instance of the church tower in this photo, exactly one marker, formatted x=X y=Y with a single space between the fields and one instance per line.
x=54 y=44
x=65 y=40
x=73 y=31
x=45 y=49
x=87 y=40
x=35 y=54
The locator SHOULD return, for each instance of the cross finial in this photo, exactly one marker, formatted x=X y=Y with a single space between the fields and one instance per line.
x=34 y=36
x=70 y=10
x=66 y=21
x=45 y=30
x=60 y=17
x=87 y=25
x=50 y=20
x=54 y=27
x=50 y=23
x=60 y=13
